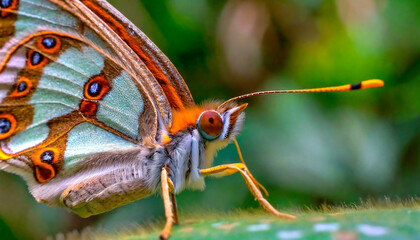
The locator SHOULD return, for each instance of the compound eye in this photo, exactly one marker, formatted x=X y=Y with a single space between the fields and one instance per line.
x=210 y=125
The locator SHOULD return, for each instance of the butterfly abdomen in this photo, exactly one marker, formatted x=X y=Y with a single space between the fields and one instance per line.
x=103 y=181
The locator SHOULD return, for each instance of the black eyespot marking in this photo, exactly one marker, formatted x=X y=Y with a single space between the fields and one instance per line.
x=5 y=125
x=47 y=156
x=5 y=3
x=36 y=58
x=22 y=86
x=94 y=89
x=49 y=42
x=356 y=86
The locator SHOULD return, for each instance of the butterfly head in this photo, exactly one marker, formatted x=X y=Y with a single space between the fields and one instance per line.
x=221 y=123
x=199 y=132
x=212 y=122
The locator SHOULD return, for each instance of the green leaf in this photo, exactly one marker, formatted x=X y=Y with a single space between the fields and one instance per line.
x=388 y=221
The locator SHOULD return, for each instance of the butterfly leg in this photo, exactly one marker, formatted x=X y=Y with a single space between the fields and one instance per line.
x=175 y=208
x=253 y=185
x=173 y=200
x=167 y=185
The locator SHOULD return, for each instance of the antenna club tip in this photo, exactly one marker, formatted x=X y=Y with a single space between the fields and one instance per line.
x=372 y=83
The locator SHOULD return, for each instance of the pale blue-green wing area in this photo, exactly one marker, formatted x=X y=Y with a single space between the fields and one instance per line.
x=22 y=20
x=76 y=105
x=66 y=98
x=50 y=57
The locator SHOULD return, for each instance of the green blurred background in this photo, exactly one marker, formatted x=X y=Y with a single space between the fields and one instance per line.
x=307 y=149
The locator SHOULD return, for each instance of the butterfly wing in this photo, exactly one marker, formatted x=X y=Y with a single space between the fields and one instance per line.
x=76 y=103
x=176 y=90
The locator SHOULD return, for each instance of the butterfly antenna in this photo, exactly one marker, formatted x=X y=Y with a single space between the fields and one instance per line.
x=343 y=88
x=249 y=174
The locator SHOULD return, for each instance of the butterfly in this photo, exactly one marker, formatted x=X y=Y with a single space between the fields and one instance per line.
x=94 y=116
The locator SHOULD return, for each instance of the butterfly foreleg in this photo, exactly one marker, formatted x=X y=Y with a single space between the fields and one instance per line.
x=173 y=199
x=175 y=208
x=253 y=185
x=169 y=203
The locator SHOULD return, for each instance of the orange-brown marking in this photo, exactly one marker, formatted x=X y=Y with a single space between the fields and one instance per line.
x=104 y=90
x=29 y=86
x=8 y=28
x=171 y=93
x=52 y=50
x=26 y=40
x=59 y=128
x=185 y=118
x=6 y=11
x=44 y=171
x=13 y=125
x=88 y=107
x=39 y=65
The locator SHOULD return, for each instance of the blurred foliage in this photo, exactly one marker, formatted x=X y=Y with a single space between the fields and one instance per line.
x=306 y=149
